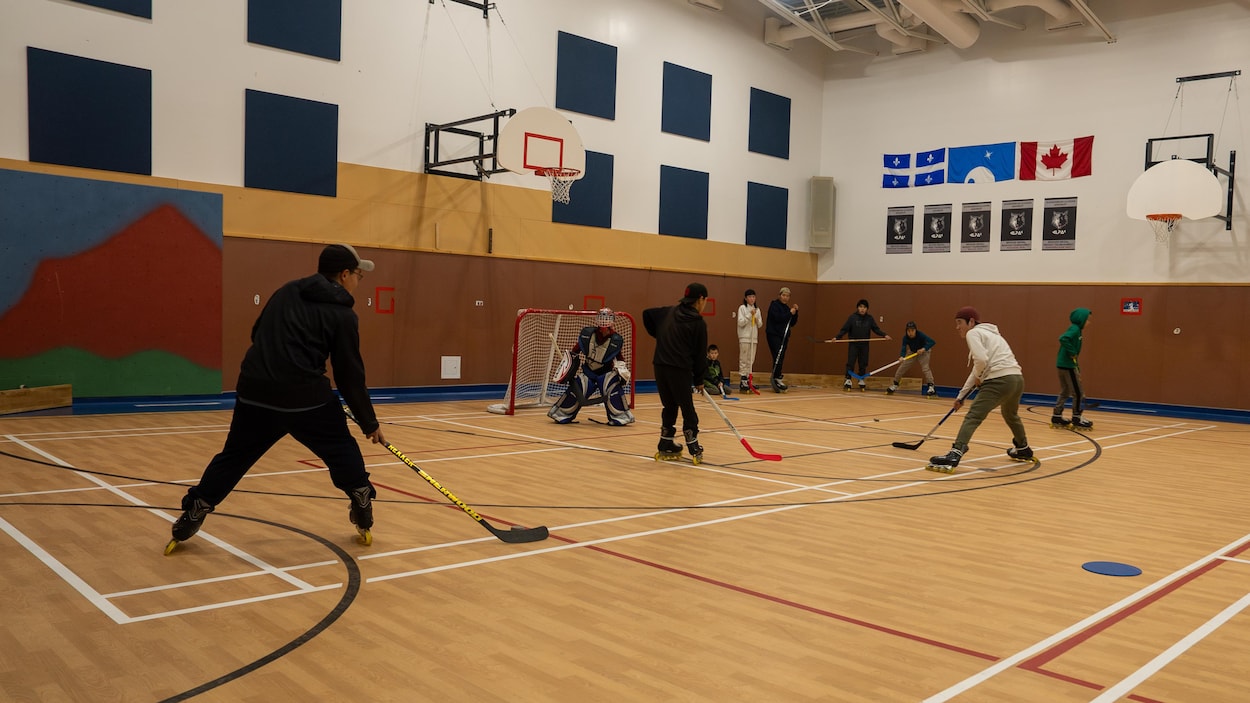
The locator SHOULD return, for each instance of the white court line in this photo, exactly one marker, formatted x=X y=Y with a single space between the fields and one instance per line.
x=1239 y=561
x=231 y=603
x=1154 y=665
x=93 y=596
x=99 y=433
x=254 y=561
x=215 y=579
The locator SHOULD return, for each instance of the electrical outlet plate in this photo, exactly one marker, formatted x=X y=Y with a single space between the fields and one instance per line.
x=451 y=367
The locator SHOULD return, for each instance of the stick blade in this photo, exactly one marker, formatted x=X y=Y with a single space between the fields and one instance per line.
x=760 y=455
x=904 y=445
x=519 y=535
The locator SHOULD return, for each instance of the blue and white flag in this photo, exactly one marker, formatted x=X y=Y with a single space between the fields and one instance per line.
x=897 y=171
x=985 y=163
x=930 y=168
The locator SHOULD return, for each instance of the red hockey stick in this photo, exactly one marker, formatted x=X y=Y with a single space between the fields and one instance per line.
x=752 y=452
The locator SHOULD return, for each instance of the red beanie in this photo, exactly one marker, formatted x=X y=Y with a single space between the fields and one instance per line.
x=968 y=313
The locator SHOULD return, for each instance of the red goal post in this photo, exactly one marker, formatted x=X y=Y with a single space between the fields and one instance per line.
x=539 y=340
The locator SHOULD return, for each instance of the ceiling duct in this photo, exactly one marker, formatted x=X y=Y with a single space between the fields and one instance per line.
x=707 y=4
x=953 y=25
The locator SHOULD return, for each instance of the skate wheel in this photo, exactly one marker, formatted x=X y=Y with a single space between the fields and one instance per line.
x=696 y=460
x=169 y=548
x=365 y=538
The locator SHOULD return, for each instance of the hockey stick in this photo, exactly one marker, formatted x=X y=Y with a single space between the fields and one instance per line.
x=916 y=445
x=781 y=353
x=813 y=340
x=870 y=339
x=751 y=384
x=883 y=368
x=752 y=452
x=516 y=535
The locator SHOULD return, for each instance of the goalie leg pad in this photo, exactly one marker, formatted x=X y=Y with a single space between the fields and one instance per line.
x=566 y=408
x=617 y=404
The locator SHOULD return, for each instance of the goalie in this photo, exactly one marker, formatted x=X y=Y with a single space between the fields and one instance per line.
x=595 y=374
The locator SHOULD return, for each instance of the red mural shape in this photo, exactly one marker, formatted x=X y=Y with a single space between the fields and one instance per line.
x=156 y=285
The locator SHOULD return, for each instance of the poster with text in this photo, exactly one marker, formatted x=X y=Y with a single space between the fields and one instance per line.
x=975 y=232
x=937 y=229
x=899 y=222
x=1059 y=224
x=1017 y=232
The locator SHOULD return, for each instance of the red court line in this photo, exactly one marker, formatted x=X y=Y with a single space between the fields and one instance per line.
x=1084 y=635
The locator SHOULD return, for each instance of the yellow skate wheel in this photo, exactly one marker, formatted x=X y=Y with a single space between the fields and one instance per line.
x=696 y=460
x=169 y=548
x=366 y=537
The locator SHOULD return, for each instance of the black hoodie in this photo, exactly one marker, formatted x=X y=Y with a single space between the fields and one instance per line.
x=680 y=339
x=306 y=322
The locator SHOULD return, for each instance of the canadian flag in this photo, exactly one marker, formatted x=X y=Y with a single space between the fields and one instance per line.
x=1057 y=160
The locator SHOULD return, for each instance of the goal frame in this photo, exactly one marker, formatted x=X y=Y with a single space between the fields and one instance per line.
x=548 y=390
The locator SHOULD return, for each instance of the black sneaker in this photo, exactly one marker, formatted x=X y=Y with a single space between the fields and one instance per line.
x=893 y=387
x=194 y=510
x=361 y=513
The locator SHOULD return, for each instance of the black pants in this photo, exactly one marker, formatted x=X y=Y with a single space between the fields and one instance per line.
x=856 y=355
x=253 y=430
x=776 y=346
x=676 y=392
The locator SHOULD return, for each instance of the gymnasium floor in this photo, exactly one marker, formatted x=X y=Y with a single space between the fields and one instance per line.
x=844 y=572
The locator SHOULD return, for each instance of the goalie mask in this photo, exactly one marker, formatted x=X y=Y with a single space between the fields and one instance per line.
x=605 y=318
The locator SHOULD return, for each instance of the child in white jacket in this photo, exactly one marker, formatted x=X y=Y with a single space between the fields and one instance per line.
x=749 y=323
x=996 y=372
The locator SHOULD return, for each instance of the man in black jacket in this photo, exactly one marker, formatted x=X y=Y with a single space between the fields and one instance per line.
x=283 y=389
x=680 y=364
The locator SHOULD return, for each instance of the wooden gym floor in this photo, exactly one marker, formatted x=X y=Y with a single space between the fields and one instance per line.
x=845 y=572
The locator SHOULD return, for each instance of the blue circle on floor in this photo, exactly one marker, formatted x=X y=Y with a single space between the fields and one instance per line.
x=1111 y=568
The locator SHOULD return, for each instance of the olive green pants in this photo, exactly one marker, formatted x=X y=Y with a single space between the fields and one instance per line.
x=1004 y=393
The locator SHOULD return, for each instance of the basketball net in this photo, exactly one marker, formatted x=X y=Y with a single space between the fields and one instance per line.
x=1163 y=224
x=561 y=181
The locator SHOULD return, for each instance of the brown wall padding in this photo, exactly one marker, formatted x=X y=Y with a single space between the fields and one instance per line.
x=1126 y=357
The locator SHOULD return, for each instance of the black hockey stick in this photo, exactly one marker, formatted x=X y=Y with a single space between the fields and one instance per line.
x=916 y=445
x=750 y=450
x=781 y=352
x=516 y=535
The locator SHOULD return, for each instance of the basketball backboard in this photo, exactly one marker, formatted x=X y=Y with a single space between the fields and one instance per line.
x=1177 y=186
x=540 y=138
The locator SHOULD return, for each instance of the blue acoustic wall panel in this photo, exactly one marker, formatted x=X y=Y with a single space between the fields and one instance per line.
x=290 y=144
x=770 y=124
x=312 y=27
x=88 y=113
x=138 y=8
x=687 y=106
x=683 y=202
x=585 y=76
x=590 y=200
x=767 y=215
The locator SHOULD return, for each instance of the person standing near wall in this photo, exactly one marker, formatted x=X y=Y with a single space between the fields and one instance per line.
x=859 y=327
x=283 y=389
x=1001 y=382
x=783 y=316
x=1070 y=373
x=749 y=323
x=916 y=346
x=680 y=362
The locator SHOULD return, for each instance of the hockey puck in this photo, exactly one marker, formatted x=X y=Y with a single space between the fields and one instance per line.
x=876 y=419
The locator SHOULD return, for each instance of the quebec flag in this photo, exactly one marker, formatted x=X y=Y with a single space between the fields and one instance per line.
x=897 y=171
x=930 y=167
x=985 y=163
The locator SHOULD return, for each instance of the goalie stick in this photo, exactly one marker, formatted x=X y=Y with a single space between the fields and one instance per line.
x=750 y=450
x=516 y=535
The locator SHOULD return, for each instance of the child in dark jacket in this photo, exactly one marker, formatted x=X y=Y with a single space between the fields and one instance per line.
x=859 y=328
x=680 y=365
x=1070 y=373
x=714 y=380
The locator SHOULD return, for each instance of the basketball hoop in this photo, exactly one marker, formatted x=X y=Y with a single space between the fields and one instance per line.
x=561 y=181
x=1163 y=224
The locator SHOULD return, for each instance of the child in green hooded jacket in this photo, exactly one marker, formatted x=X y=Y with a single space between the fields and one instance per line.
x=1070 y=373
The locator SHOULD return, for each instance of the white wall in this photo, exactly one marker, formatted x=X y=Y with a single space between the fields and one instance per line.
x=408 y=62
x=1025 y=86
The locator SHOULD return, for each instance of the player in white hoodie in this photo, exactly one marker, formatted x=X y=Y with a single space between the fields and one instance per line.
x=996 y=372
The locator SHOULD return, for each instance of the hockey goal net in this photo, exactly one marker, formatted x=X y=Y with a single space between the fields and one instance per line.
x=540 y=338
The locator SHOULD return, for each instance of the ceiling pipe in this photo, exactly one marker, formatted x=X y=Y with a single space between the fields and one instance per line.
x=956 y=27
x=974 y=7
x=1093 y=19
x=1060 y=14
